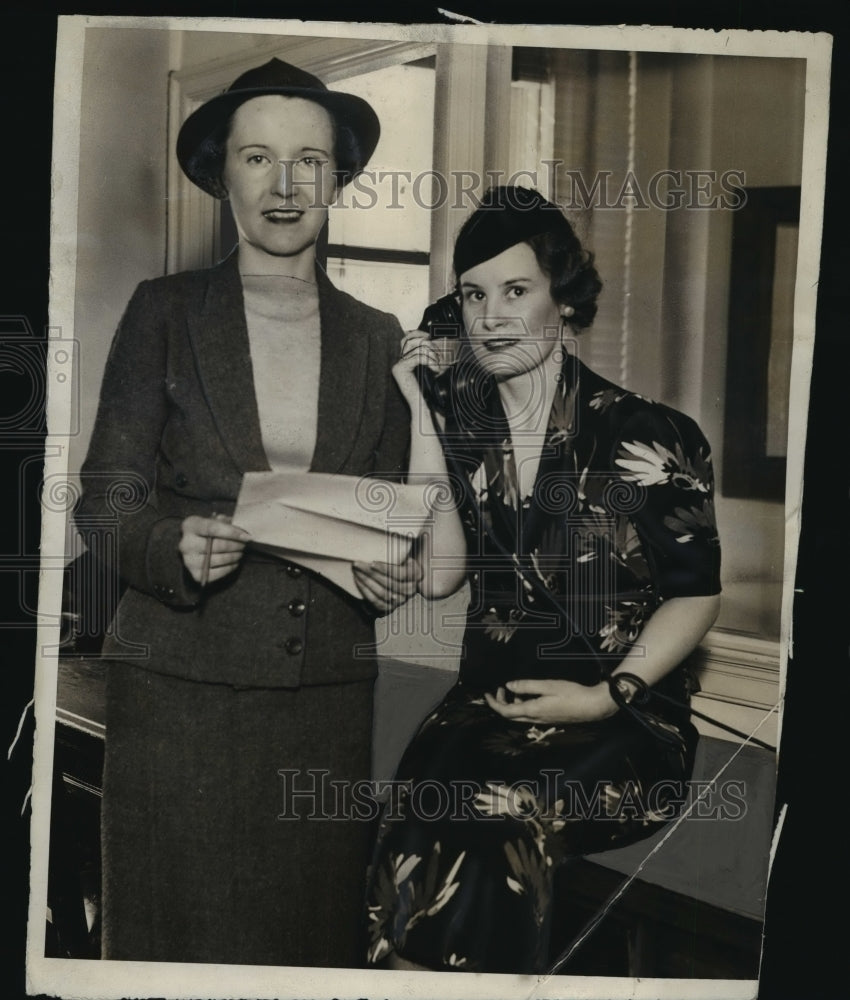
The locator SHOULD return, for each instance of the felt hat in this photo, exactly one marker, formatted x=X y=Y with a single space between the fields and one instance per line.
x=275 y=77
x=507 y=215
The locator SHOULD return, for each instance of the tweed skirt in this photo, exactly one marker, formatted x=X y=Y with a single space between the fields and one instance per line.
x=223 y=838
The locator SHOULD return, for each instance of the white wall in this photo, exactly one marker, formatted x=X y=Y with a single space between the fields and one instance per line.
x=199 y=47
x=671 y=269
x=121 y=209
x=753 y=110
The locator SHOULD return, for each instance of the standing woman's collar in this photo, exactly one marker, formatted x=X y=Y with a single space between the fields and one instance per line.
x=228 y=268
x=230 y=264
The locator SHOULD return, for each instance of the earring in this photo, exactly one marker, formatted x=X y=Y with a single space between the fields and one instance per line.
x=567 y=311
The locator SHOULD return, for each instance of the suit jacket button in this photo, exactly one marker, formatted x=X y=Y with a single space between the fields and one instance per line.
x=294 y=571
x=293 y=646
x=180 y=480
x=297 y=607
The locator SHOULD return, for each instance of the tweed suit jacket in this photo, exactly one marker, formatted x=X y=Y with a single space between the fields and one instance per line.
x=176 y=429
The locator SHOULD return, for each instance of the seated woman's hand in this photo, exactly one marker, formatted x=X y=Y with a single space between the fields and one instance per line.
x=386 y=585
x=228 y=544
x=552 y=701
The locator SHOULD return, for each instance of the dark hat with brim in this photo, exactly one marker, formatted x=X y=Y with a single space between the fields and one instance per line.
x=275 y=77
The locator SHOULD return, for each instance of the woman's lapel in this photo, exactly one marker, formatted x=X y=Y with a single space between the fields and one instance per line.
x=219 y=337
x=507 y=511
x=522 y=520
x=555 y=480
x=343 y=381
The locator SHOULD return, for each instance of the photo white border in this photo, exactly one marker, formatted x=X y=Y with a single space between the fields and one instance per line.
x=95 y=979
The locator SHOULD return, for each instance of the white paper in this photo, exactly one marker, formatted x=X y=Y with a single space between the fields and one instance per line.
x=327 y=522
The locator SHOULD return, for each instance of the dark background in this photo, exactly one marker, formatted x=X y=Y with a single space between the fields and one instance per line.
x=804 y=948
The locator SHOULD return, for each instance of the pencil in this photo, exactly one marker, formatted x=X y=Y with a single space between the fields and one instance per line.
x=205 y=570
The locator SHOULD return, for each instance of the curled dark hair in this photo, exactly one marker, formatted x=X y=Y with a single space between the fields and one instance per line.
x=573 y=279
x=206 y=164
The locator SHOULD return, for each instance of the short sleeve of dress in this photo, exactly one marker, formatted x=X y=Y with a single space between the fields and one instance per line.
x=666 y=455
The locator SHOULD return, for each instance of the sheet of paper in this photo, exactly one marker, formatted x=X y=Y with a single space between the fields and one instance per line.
x=338 y=571
x=327 y=522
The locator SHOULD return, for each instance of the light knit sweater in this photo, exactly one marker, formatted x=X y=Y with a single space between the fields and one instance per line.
x=282 y=315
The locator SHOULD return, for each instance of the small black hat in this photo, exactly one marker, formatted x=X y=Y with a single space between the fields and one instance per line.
x=275 y=77
x=506 y=215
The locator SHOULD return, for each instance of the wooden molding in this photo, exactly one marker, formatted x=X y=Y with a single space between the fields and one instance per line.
x=740 y=684
x=459 y=146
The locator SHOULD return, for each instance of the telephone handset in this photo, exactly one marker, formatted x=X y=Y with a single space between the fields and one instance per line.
x=441 y=319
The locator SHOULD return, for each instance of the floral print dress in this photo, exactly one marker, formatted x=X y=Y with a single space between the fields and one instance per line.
x=485 y=810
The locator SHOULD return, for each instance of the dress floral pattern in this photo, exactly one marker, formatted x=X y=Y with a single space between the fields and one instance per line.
x=620 y=518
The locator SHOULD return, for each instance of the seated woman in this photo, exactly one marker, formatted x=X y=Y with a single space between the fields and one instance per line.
x=586 y=515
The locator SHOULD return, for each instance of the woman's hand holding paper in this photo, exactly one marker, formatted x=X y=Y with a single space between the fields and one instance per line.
x=386 y=585
x=211 y=547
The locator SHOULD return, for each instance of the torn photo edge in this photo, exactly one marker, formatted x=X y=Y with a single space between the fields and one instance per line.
x=84 y=979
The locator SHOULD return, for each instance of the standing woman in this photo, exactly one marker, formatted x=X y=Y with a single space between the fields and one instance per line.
x=593 y=564
x=245 y=666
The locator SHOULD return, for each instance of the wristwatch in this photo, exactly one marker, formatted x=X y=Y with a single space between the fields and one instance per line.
x=626 y=688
